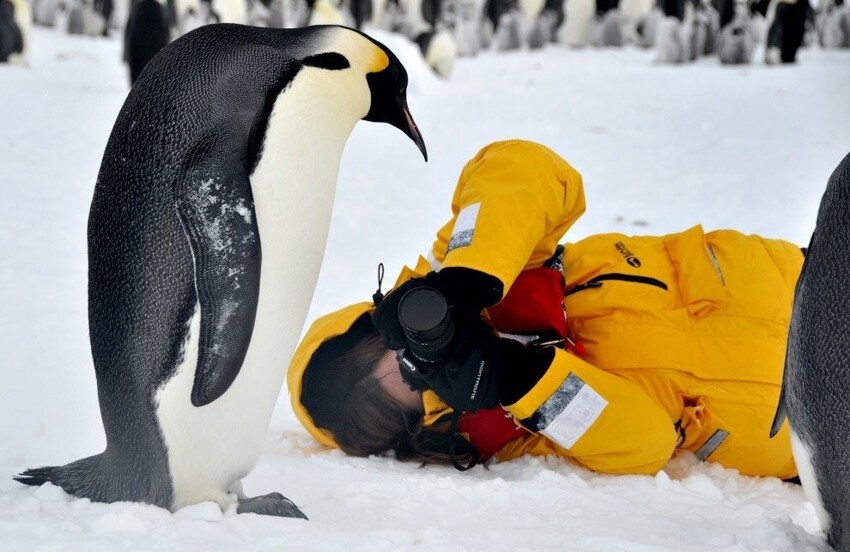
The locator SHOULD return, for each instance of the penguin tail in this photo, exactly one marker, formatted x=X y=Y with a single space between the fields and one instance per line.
x=37 y=476
x=87 y=478
x=95 y=478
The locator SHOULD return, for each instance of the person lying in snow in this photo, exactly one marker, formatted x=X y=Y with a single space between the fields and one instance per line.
x=634 y=347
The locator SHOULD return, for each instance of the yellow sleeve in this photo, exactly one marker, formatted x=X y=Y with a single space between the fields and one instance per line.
x=601 y=421
x=513 y=202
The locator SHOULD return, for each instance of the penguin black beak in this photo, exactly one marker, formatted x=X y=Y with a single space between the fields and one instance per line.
x=412 y=131
x=389 y=102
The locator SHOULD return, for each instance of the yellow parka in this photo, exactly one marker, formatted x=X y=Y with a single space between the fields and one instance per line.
x=683 y=335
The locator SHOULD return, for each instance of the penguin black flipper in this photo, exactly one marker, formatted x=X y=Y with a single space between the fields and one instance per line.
x=216 y=208
x=781 y=411
x=781 y=408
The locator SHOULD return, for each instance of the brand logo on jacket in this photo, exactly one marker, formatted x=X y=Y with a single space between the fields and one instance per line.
x=628 y=255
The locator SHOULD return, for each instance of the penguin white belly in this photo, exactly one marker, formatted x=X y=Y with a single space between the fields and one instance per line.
x=378 y=10
x=441 y=54
x=531 y=8
x=190 y=16
x=578 y=19
x=23 y=18
x=231 y=11
x=633 y=9
x=326 y=13
x=412 y=10
x=806 y=471
x=211 y=447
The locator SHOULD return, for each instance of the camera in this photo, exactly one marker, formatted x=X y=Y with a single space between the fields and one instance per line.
x=427 y=323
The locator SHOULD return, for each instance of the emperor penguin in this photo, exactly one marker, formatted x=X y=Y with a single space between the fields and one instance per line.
x=608 y=30
x=84 y=20
x=230 y=11
x=46 y=12
x=326 y=12
x=187 y=15
x=674 y=35
x=361 y=12
x=578 y=22
x=545 y=27
x=735 y=44
x=646 y=27
x=439 y=50
x=206 y=233
x=815 y=393
x=146 y=34
x=463 y=18
x=634 y=13
x=833 y=24
x=15 y=30
x=786 y=24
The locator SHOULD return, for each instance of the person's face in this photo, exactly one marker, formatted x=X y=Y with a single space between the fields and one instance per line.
x=389 y=376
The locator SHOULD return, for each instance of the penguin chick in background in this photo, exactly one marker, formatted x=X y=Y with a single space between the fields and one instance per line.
x=816 y=385
x=206 y=233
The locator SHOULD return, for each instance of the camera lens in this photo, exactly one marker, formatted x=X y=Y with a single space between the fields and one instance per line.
x=427 y=323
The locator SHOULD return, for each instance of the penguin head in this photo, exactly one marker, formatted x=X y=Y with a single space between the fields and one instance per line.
x=384 y=79
x=388 y=89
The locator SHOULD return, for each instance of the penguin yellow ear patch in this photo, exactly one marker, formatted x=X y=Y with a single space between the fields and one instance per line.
x=381 y=62
x=332 y=61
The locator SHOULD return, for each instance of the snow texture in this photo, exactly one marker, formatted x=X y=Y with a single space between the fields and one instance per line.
x=660 y=148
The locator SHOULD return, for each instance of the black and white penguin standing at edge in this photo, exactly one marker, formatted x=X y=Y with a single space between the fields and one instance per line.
x=146 y=34
x=816 y=385
x=15 y=31
x=206 y=233
x=786 y=28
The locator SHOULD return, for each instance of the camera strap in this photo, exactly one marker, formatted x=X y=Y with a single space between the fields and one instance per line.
x=378 y=296
x=454 y=436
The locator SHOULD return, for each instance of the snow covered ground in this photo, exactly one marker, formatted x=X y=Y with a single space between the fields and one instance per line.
x=660 y=147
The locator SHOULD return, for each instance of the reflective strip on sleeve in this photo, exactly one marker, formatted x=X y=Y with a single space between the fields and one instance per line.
x=464 y=227
x=569 y=412
x=711 y=445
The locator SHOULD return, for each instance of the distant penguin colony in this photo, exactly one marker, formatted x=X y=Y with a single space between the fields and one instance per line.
x=679 y=31
x=206 y=233
x=816 y=385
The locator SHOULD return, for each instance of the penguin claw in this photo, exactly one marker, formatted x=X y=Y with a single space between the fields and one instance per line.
x=272 y=504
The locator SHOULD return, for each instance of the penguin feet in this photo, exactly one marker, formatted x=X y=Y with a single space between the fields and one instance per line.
x=272 y=504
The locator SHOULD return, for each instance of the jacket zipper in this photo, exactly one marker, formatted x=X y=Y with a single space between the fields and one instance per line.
x=596 y=282
x=716 y=264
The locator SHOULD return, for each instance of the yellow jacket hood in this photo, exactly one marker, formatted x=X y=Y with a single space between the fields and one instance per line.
x=323 y=329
